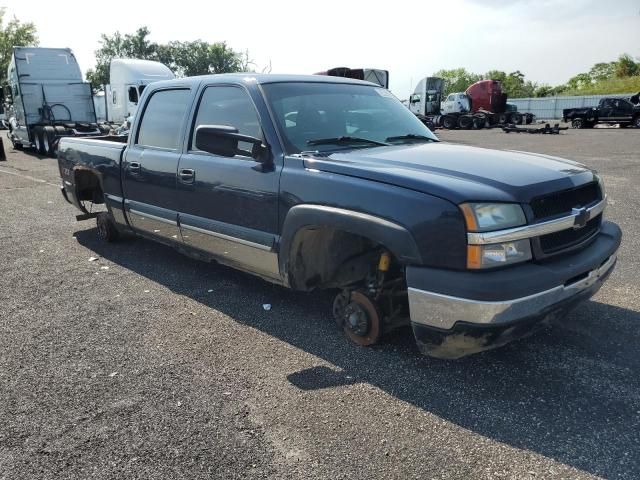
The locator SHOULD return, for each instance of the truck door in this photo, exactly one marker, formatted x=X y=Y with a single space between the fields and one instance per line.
x=228 y=206
x=151 y=161
x=605 y=111
x=449 y=105
x=622 y=109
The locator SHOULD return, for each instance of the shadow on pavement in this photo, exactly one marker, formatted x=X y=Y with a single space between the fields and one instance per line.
x=571 y=393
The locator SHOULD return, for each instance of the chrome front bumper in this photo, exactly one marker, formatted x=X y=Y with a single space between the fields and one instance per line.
x=443 y=311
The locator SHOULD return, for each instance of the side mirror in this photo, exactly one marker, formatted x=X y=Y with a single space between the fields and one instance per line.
x=223 y=140
x=414 y=99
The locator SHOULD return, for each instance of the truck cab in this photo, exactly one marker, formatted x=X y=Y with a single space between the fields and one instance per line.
x=127 y=80
x=456 y=103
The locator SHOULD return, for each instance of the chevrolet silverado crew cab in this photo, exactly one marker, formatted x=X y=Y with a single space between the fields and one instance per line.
x=331 y=183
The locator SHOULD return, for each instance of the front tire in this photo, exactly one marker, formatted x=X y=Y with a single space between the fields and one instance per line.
x=107 y=230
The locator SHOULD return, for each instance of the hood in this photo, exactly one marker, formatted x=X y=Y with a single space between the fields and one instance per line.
x=458 y=173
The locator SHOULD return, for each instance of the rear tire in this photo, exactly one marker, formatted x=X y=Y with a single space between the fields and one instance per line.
x=448 y=122
x=107 y=230
x=48 y=141
x=501 y=118
x=577 y=123
x=636 y=122
x=515 y=118
x=465 y=122
x=479 y=121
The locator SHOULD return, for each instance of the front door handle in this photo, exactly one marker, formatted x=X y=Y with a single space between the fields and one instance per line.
x=187 y=175
x=134 y=167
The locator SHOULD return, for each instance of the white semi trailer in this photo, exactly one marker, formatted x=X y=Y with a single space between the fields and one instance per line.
x=47 y=99
x=127 y=79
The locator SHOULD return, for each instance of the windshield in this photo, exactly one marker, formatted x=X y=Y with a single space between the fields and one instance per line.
x=308 y=112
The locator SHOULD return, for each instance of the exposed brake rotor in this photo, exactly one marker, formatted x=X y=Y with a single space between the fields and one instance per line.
x=362 y=322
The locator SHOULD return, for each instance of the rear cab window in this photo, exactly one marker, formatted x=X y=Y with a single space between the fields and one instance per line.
x=160 y=126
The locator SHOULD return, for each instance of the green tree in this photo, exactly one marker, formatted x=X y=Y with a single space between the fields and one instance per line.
x=626 y=67
x=200 y=58
x=135 y=45
x=13 y=34
x=602 y=71
x=580 y=81
x=185 y=59
x=495 y=75
x=457 y=79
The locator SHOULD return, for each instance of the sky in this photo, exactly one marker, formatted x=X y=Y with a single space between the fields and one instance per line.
x=548 y=40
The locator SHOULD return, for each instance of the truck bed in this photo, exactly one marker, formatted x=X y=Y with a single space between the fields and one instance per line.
x=97 y=157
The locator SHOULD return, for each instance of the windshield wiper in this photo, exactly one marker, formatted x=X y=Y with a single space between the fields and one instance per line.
x=343 y=140
x=409 y=136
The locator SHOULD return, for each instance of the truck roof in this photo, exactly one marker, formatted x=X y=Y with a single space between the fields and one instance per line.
x=260 y=78
x=38 y=64
x=136 y=71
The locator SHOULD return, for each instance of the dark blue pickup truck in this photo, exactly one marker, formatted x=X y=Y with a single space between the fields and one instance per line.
x=330 y=183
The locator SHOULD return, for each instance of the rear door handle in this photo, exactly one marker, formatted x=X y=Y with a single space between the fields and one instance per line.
x=187 y=175
x=134 y=166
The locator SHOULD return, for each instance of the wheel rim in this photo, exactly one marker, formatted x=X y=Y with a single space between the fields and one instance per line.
x=37 y=142
x=45 y=143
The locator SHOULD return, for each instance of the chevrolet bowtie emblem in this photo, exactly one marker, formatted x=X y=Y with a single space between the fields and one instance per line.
x=581 y=217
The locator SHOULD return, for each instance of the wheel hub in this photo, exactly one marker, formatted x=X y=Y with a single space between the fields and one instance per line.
x=356 y=320
x=361 y=319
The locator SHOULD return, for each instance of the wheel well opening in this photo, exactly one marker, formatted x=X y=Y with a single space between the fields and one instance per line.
x=327 y=257
x=88 y=187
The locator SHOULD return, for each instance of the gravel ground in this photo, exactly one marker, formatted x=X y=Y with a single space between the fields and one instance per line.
x=147 y=364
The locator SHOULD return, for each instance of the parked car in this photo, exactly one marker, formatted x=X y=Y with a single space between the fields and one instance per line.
x=330 y=183
x=611 y=110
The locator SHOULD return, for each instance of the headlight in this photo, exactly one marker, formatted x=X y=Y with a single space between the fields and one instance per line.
x=484 y=217
x=498 y=254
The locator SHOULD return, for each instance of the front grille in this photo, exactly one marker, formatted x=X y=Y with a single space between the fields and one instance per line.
x=560 y=203
x=564 y=239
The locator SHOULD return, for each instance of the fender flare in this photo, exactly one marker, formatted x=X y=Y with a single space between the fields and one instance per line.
x=393 y=236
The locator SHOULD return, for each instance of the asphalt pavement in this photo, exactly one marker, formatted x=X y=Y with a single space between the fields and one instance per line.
x=130 y=360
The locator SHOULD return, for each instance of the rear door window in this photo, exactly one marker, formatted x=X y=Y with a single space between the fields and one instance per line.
x=162 y=119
